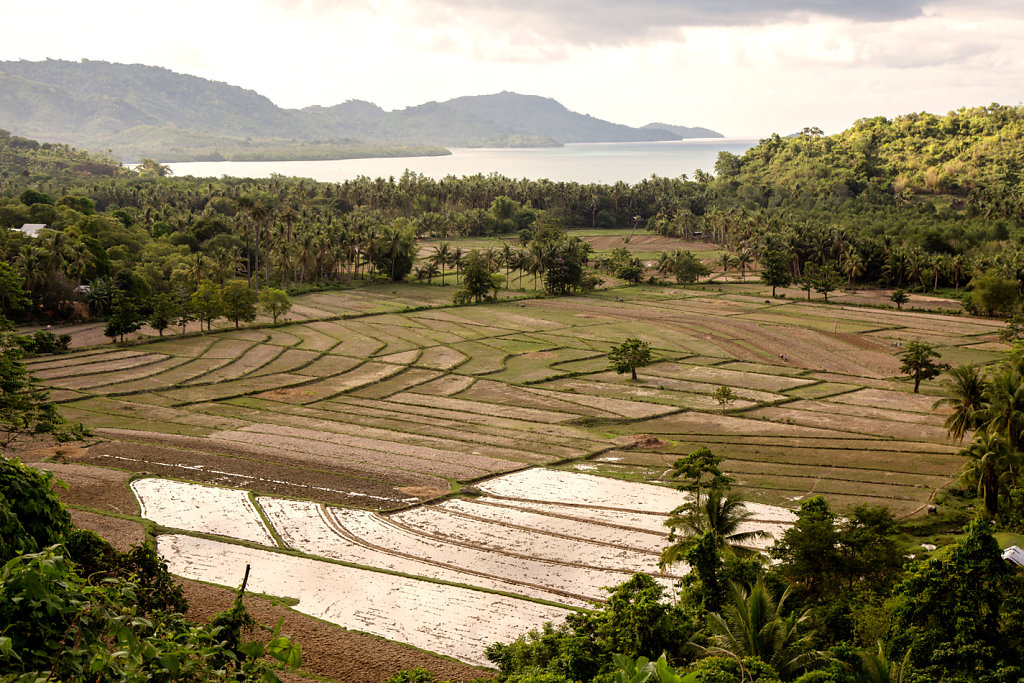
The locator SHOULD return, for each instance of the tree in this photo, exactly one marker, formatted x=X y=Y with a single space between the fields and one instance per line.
x=630 y=355
x=274 y=302
x=775 y=269
x=124 y=317
x=918 y=363
x=899 y=297
x=687 y=268
x=753 y=624
x=993 y=293
x=826 y=280
x=701 y=468
x=724 y=395
x=990 y=457
x=965 y=388
x=207 y=303
x=479 y=281
x=716 y=512
x=239 y=302
x=25 y=406
x=959 y=615
x=166 y=309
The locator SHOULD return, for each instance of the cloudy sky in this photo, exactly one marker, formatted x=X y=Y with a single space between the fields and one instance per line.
x=744 y=67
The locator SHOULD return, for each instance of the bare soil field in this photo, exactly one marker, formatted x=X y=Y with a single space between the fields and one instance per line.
x=397 y=408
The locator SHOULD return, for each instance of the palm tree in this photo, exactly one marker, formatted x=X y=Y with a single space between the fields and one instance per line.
x=966 y=389
x=1004 y=410
x=743 y=259
x=508 y=258
x=441 y=255
x=878 y=668
x=991 y=457
x=853 y=265
x=752 y=625
x=726 y=260
x=716 y=511
x=456 y=260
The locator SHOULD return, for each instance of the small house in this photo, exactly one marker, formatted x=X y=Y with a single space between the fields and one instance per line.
x=32 y=229
x=1015 y=555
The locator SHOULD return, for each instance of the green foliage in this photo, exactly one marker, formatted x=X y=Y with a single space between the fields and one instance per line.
x=31 y=515
x=959 y=616
x=754 y=624
x=631 y=354
x=993 y=294
x=239 y=302
x=775 y=269
x=125 y=317
x=701 y=469
x=899 y=297
x=274 y=302
x=635 y=621
x=85 y=612
x=207 y=303
x=479 y=279
x=25 y=407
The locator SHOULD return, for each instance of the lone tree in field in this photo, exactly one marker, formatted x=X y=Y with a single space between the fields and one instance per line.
x=919 y=363
x=274 y=302
x=630 y=355
x=899 y=297
x=724 y=396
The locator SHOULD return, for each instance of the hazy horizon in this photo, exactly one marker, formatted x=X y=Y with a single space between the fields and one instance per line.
x=744 y=68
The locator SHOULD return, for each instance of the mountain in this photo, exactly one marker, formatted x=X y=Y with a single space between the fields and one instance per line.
x=684 y=132
x=145 y=111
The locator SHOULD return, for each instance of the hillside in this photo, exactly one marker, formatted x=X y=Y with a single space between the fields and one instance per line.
x=685 y=132
x=139 y=111
x=971 y=157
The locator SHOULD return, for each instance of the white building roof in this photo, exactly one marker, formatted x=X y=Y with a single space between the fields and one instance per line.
x=1015 y=555
x=32 y=229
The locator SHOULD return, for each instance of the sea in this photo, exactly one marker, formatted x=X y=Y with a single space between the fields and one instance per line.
x=607 y=163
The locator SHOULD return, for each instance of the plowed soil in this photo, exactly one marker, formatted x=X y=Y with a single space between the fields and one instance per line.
x=284 y=475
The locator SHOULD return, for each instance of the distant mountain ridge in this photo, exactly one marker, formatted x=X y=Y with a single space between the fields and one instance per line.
x=139 y=110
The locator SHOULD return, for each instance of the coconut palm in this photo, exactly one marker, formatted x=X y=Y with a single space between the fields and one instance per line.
x=744 y=257
x=752 y=625
x=1004 y=410
x=853 y=265
x=716 y=511
x=965 y=388
x=440 y=256
x=878 y=668
x=991 y=466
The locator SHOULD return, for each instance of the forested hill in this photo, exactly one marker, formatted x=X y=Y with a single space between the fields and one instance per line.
x=138 y=110
x=968 y=159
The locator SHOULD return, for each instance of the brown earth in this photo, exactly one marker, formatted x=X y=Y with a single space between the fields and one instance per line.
x=120 y=533
x=233 y=466
x=92 y=487
x=328 y=650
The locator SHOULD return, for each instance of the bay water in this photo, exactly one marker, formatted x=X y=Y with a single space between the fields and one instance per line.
x=607 y=162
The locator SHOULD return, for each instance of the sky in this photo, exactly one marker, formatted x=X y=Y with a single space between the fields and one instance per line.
x=746 y=68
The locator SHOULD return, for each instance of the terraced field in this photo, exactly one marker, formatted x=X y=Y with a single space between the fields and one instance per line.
x=452 y=578
x=345 y=443
x=388 y=409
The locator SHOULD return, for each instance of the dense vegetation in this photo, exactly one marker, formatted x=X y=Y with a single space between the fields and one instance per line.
x=841 y=604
